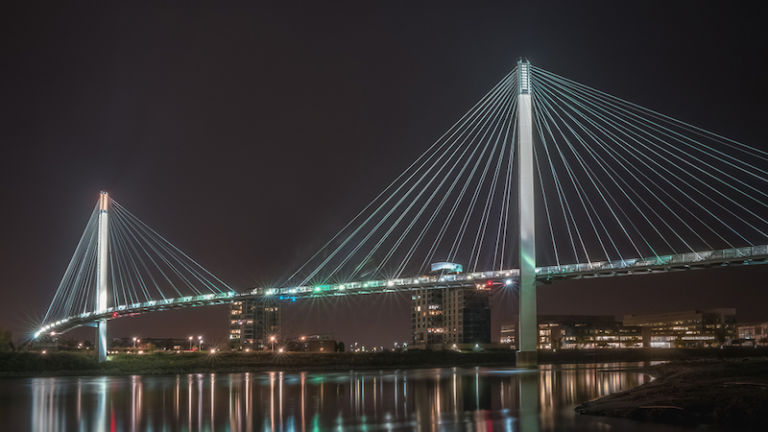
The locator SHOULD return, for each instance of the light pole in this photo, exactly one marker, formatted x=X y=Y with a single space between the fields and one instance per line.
x=190 y=343
x=200 y=343
x=134 y=342
x=272 y=339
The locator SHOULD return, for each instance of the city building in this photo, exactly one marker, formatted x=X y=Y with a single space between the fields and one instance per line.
x=754 y=334
x=455 y=318
x=577 y=332
x=147 y=344
x=509 y=334
x=683 y=329
x=314 y=343
x=427 y=317
x=687 y=329
x=254 y=324
x=586 y=332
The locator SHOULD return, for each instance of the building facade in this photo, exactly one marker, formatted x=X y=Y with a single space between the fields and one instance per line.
x=444 y=318
x=587 y=332
x=755 y=334
x=313 y=343
x=509 y=334
x=428 y=318
x=149 y=344
x=577 y=332
x=684 y=329
x=254 y=324
x=687 y=329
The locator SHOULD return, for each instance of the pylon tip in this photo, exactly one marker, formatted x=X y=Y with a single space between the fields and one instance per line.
x=104 y=201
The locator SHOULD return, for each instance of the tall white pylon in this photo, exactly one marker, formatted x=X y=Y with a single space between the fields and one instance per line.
x=102 y=272
x=526 y=355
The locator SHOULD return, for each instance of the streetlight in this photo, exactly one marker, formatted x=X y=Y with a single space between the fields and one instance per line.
x=273 y=339
x=190 y=343
x=134 y=342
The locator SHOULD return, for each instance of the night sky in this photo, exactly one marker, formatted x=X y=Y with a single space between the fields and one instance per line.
x=248 y=134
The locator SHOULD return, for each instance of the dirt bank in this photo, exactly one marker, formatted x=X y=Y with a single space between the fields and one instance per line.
x=729 y=393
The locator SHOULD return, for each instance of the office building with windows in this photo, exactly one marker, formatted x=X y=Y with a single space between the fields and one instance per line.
x=753 y=333
x=577 y=332
x=450 y=318
x=707 y=328
x=254 y=324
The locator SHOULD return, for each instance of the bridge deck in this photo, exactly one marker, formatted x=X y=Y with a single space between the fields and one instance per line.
x=657 y=264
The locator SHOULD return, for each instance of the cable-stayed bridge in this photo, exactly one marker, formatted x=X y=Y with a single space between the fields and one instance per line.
x=542 y=179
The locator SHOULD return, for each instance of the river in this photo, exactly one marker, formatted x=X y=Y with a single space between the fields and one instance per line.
x=441 y=399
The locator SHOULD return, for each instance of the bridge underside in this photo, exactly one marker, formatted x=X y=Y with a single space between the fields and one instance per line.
x=491 y=279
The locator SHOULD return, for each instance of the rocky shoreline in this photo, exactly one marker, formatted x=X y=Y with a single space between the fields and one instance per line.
x=729 y=393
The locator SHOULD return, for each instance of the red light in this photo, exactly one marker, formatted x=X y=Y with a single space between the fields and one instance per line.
x=489 y=283
x=114 y=314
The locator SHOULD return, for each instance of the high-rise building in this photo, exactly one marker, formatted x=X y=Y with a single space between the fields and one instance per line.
x=427 y=317
x=254 y=324
x=441 y=318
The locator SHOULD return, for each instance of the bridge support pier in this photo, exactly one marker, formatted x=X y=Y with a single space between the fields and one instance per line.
x=528 y=327
x=102 y=272
x=101 y=343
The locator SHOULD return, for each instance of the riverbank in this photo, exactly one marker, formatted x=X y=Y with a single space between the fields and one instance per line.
x=729 y=393
x=67 y=363
x=77 y=363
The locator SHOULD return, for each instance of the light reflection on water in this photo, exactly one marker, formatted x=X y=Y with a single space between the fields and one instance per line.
x=416 y=399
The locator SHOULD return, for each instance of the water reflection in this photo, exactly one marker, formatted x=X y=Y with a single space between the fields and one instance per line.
x=426 y=399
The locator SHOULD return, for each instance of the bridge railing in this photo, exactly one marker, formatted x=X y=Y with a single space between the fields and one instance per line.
x=721 y=256
x=384 y=285
x=117 y=311
x=745 y=255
